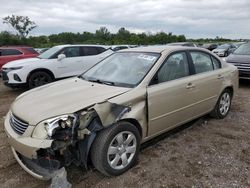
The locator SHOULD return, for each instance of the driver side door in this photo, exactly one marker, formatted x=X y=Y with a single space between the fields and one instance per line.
x=69 y=66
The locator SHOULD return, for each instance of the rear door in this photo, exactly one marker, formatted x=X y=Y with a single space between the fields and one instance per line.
x=208 y=81
x=179 y=96
x=8 y=55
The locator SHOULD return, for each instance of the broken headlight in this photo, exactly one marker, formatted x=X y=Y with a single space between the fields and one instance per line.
x=47 y=128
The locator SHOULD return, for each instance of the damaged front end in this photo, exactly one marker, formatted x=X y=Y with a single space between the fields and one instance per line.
x=71 y=138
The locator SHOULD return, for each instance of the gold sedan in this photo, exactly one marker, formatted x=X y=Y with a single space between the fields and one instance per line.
x=108 y=111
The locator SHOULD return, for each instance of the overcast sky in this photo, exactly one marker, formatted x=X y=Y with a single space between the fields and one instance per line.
x=193 y=18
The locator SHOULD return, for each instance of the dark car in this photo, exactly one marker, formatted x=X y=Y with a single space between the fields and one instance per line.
x=241 y=59
x=210 y=47
x=189 y=44
x=224 y=50
x=12 y=53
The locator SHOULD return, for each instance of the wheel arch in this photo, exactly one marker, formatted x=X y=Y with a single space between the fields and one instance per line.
x=133 y=122
x=41 y=69
x=230 y=88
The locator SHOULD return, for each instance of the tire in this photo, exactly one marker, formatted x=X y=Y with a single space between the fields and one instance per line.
x=223 y=105
x=123 y=155
x=226 y=54
x=39 y=78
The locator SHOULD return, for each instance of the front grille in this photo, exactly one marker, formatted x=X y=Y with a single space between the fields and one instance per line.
x=242 y=66
x=5 y=77
x=19 y=126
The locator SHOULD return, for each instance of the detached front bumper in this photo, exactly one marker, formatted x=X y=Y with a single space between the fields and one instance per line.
x=25 y=149
x=25 y=144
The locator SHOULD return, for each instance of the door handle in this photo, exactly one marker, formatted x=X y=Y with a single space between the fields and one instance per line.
x=220 y=76
x=190 y=86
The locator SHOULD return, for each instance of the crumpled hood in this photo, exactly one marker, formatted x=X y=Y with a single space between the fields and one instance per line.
x=234 y=58
x=63 y=97
x=23 y=62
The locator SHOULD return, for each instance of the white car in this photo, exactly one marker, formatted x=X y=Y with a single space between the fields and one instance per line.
x=56 y=63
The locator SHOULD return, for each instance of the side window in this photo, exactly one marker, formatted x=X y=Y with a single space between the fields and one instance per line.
x=31 y=50
x=100 y=49
x=202 y=62
x=90 y=51
x=6 y=52
x=176 y=66
x=216 y=63
x=71 y=52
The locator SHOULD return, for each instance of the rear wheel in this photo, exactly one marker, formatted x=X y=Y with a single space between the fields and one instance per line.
x=223 y=105
x=115 y=149
x=39 y=78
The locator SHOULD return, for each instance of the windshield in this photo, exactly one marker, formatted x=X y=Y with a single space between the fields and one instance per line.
x=243 y=49
x=125 y=69
x=224 y=46
x=49 y=53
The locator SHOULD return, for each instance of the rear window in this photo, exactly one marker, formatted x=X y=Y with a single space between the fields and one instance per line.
x=90 y=51
x=31 y=50
x=100 y=49
x=202 y=62
x=7 y=52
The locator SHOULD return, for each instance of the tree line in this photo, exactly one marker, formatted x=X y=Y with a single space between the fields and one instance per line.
x=23 y=25
x=101 y=36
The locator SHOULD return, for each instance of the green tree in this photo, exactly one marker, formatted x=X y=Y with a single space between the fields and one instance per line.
x=122 y=36
x=102 y=35
x=22 y=24
x=7 y=38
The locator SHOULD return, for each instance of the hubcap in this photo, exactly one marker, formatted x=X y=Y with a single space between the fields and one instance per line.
x=121 y=150
x=40 y=80
x=224 y=103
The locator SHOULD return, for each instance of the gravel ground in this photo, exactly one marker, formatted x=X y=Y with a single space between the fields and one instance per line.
x=204 y=153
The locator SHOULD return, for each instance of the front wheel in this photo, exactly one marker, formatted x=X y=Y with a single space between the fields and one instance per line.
x=223 y=105
x=116 y=148
x=39 y=78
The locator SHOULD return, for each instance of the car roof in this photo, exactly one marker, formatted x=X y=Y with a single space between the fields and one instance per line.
x=160 y=49
x=82 y=45
x=15 y=47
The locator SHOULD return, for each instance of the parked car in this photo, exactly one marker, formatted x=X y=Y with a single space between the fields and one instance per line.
x=238 y=44
x=119 y=47
x=241 y=59
x=190 y=44
x=105 y=114
x=122 y=47
x=210 y=47
x=11 y=53
x=41 y=50
x=56 y=63
x=224 y=50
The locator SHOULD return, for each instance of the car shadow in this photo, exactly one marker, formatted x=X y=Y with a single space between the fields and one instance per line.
x=174 y=131
x=243 y=83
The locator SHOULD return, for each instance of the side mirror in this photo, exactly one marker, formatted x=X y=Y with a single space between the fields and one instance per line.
x=154 y=81
x=61 y=57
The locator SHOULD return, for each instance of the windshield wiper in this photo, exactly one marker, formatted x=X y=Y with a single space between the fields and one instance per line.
x=102 y=82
